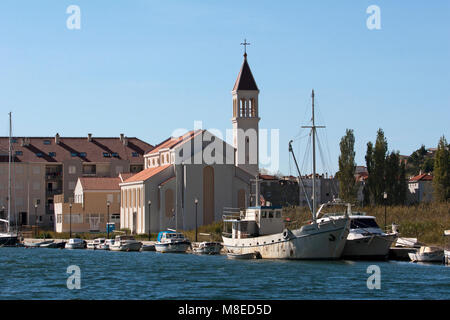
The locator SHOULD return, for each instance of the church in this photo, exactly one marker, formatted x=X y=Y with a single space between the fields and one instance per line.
x=190 y=179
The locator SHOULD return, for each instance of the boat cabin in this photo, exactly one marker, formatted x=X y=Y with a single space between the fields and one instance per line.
x=168 y=235
x=256 y=221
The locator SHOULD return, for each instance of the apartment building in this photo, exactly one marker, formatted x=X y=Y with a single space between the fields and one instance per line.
x=47 y=166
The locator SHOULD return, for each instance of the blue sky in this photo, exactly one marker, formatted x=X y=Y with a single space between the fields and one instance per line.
x=146 y=68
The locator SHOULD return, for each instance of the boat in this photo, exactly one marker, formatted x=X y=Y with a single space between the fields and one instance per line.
x=9 y=238
x=208 y=247
x=366 y=241
x=446 y=252
x=41 y=244
x=148 y=247
x=54 y=245
x=94 y=244
x=105 y=245
x=125 y=243
x=75 y=243
x=427 y=254
x=171 y=241
x=241 y=256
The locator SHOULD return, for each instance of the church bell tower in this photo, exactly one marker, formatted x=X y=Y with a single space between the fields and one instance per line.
x=246 y=119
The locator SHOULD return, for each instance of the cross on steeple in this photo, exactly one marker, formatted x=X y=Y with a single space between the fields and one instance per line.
x=245 y=44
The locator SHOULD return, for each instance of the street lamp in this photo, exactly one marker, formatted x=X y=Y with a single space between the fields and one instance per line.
x=70 y=220
x=36 y=217
x=107 y=219
x=196 y=203
x=385 y=195
x=149 y=218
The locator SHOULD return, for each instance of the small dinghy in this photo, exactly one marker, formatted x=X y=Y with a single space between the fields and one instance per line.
x=53 y=245
x=241 y=256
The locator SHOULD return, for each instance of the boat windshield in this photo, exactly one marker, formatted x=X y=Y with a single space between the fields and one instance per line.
x=363 y=223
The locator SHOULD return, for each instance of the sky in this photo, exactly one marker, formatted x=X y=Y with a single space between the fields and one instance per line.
x=147 y=68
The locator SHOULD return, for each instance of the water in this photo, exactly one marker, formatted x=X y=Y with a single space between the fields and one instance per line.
x=41 y=274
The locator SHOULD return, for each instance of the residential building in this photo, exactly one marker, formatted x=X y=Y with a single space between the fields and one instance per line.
x=47 y=166
x=420 y=188
x=94 y=198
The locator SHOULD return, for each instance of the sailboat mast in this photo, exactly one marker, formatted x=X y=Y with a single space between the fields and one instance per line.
x=9 y=171
x=313 y=129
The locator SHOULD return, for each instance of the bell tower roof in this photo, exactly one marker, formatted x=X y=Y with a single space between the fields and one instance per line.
x=245 y=80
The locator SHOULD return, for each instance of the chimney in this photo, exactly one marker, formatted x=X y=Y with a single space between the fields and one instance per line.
x=25 y=142
x=57 y=138
x=125 y=141
x=90 y=137
x=121 y=137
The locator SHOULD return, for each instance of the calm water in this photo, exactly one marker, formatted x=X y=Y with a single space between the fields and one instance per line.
x=41 y=274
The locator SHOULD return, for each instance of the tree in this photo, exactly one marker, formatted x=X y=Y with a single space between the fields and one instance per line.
x=395 y=179
x=441 y=177
x=368 y=190
x=379 y=158
x=347 y=166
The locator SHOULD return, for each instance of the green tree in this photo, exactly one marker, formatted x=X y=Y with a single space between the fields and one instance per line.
x=368 y=190
x=395 y=179
x=379 y=167
x=441 y=177
x=347 y=166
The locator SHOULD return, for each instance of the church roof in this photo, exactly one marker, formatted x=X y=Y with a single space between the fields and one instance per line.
x=173 y=142
x=245 y=80
x=147 y=173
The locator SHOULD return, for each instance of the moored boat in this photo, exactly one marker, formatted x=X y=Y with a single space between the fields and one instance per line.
x=125 y=243
x=241 y=256
x=75 y=243
x=171 y=241
x=208 y=247
x=427 y=254
x=95 y=243
x=366 y=241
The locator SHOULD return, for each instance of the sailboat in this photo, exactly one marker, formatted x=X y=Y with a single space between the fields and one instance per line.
x=259 y=231
x=9 y=238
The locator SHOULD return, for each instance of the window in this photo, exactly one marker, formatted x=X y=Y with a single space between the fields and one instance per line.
x=74 y=154
x=72 y=169
x=19 y=153
x=39 y=154
x=106 y=155
x=83 y=154
x=263 y=214
x=270 y=214
x=47 y=142
x=71 y=185
x=52 y=154
x=115 y=154
x=59 y=218
x=135 y=154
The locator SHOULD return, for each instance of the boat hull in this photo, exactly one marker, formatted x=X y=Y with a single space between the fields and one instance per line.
x=312 y=242
x=9 y=241
x=427 y=257
x=135 y=246
x=208 y=249
x=375 y=247
x=74 y=246
x=179 y=247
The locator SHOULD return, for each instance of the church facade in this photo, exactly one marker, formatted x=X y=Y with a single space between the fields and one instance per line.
x=189 y=180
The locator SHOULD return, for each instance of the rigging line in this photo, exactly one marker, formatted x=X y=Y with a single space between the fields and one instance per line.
x=324 y=164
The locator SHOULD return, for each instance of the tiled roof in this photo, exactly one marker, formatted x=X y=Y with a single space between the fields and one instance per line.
x=44 y=149
x=245 y=80
x=147 y=173
x=94 y=183
x=173 y=142
x=422 y=177
x=124 y=176
x=267 y=177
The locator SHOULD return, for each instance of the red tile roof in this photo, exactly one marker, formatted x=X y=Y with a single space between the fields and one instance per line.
x=124 y=176
x=267 y=177
x=172 y=142
x=91 y=183
x=422 y=177
x=44 y=149
x=147 y=173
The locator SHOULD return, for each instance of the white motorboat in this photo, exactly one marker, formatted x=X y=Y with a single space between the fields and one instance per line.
x=208 y=247
x=148 y=247
x=260 y=230
x=171 y=241
x=427 y=254
x=75 y=243
x=366 y=241
x=241 y=256
x=105 y=245
x=125 y=243
x=95 y=244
